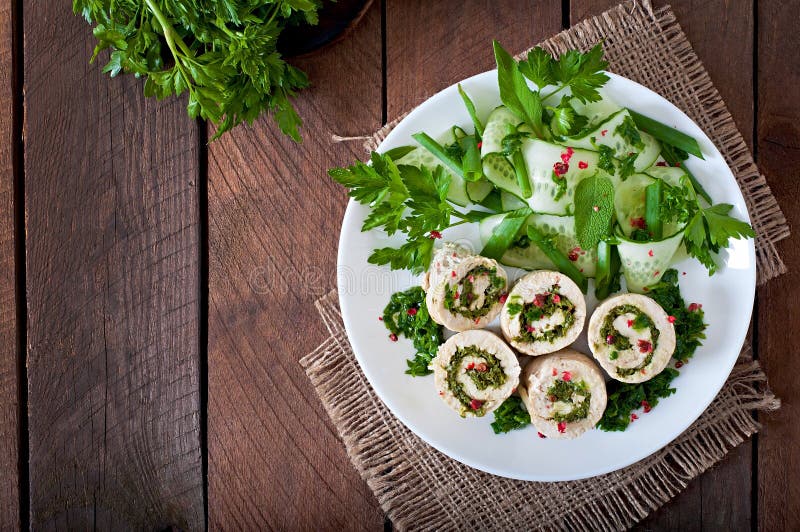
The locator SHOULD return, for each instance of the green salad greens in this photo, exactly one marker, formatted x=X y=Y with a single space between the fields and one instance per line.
x=558 y=146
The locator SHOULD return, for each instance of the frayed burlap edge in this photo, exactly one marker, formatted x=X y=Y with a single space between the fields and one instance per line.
x=649 y=47
x=420 y=488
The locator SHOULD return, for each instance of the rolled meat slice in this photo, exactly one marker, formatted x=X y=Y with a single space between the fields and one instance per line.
x=631 y=336
x=544 y=312
x=564 y=392
x=464 y=291
x=474 y=372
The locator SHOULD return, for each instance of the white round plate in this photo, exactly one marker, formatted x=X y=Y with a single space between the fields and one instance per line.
x=364 y=290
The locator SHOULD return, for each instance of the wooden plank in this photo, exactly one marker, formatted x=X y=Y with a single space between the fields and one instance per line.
x=9 y=390
x=275 y=461
x=778 y=140
x=711 y=26
x=431 y=45
x=113 y=288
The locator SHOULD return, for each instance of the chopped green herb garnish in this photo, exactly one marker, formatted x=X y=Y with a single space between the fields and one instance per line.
x=628 y=131
x=689 y=324
x=407 y=315
x=511 y=415
x=624 y=398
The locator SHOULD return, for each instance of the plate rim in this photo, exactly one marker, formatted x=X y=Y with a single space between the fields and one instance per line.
x=633 y=457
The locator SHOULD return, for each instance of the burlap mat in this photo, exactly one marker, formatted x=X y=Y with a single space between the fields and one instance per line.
x=418 y=487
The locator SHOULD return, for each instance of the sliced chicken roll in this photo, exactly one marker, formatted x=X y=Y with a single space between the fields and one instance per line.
x=631 y=336
x=544 y=312
x=564 y=392
x=464 y=291
x=474 y=372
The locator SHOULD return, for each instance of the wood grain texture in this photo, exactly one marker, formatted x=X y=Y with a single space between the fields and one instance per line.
x=778 y=154
x=431 y=45
x=713 y=26
x=275 y=460
x=113 y=288
x=9 y=389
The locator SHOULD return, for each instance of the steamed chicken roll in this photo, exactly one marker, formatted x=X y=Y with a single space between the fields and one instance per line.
x=564 y=392
x=544 y=312
x=631 y=336
x=474 y=372
x=464 y=291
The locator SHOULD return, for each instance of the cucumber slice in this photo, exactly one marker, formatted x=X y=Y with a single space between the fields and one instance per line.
x=420 y=157
x=530 y=257
x=629 y=201
x=500 y=172
x=478 y=190
x=671 y=175
x=596 y=112
x=510 y=202
x=643 y=263
x=540 y=156
x=616 y=142
x=496 y=130
x=457 y=193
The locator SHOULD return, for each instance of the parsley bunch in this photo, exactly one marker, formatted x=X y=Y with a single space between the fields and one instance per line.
x=581 y=73
x=221 y=52
x=403 y=199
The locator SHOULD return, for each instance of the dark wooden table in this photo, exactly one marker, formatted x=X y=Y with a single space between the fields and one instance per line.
x=156 y=292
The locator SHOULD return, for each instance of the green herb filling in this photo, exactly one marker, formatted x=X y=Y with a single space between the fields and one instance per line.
x=493 y=376
x=459 y=298
x=620 y=342
x=567 y=392
x=543 y=306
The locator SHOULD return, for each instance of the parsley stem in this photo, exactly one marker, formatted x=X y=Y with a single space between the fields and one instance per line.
x=169 y=32
x=552 y=93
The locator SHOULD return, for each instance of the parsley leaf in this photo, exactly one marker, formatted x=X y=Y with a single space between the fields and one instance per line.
x=709 y=230
x=414 y=255
x=565 y=121
x=594 y=210
x=626 y=166
x=538 y=67
x=606 y=160
x=722 y=227
x=627 y=130
x=582 y=73
x=510 y=415
x=222 y=53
